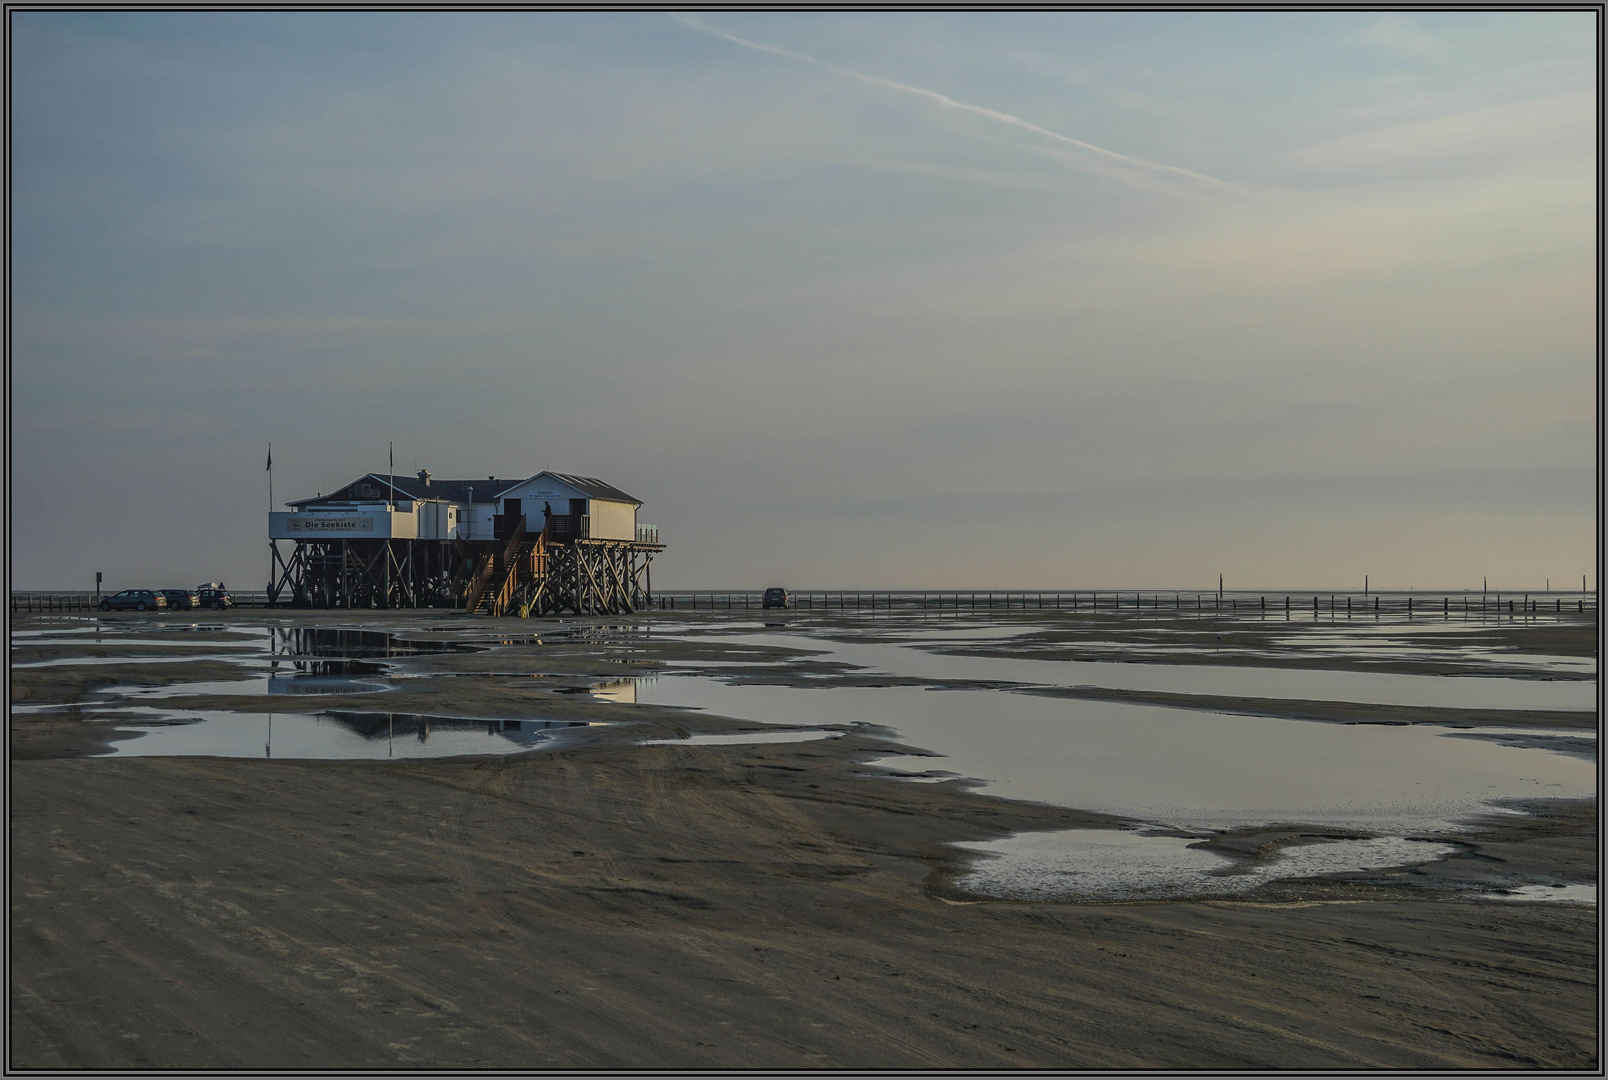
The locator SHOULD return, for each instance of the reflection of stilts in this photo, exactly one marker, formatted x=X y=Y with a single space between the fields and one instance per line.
x=268 y=748
x=424 y=729
x=390 y=732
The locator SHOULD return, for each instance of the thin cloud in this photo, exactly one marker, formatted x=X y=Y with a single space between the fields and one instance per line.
x=1534 y=134
x=1399 y=34
x=948 y=102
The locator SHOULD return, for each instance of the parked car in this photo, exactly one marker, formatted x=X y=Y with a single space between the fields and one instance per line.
x=134 y=600
x=213 y=595
x=179 y=600
x=777 y=597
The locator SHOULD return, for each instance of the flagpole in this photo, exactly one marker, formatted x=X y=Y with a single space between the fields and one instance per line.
x=273 y=549
x=393 y=476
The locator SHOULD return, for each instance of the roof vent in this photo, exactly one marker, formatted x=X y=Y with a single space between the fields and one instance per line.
x=424 y=477
x=491 y=478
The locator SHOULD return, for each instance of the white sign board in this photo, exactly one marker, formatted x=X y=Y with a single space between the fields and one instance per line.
x=327 y=523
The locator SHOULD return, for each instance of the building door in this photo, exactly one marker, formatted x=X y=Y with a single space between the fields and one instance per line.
x=577 y=507
x=511 y=508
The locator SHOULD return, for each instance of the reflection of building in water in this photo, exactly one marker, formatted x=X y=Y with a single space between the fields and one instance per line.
x=621 y=691
x=533 y=731
x=324 y=677
x=378 y=725
x=349 y=644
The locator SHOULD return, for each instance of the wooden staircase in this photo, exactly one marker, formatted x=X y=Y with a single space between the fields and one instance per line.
x=498 y=576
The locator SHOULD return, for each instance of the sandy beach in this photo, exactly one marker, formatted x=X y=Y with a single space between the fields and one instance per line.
x=600 y=903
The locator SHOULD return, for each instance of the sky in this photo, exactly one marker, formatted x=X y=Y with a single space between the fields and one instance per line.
x=848 y=300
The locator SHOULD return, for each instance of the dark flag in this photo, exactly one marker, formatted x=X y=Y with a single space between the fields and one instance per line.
x=270 y=457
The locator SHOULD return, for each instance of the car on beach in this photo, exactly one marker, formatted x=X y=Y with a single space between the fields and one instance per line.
x=213 y=595
x=134 y=600
x=776 y=598
x=180 y=600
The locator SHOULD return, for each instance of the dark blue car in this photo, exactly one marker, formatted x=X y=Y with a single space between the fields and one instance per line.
x=135 y=600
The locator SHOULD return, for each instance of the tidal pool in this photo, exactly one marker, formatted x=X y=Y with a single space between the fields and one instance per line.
x=1556 y=894
x=1116 y=864
x=1226 y=680
x=326 y=735
x=1184 y=768
x=740 y=738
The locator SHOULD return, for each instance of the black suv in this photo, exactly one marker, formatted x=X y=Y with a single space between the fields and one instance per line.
x=134 y=600
x=776 y=598
x=179 y=600
x=213 y=595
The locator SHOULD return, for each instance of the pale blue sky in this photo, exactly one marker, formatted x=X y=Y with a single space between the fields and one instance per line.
x=859 y=300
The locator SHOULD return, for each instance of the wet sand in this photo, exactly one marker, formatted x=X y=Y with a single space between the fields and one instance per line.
x=608 y=904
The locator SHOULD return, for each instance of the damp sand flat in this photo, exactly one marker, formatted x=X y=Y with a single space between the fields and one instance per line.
x=649 y=907
x=628 y=906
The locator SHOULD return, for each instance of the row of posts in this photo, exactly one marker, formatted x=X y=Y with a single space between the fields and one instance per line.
x=857 y=601
x=973 y=601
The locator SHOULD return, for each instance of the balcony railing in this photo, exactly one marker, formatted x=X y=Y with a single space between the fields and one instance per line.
x=647 y=534
x=504 y=525
x=569 y=526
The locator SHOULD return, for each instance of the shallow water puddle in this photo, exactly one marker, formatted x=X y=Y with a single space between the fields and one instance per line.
x=123 y=642
x=1557 y=894
x=101 y=661
x=744 y=737
x=327 y=735
x=120 y=627
x=1112 y=864
x=1180 y=767
x=264 y=677
x=334 y=642
x=1302 y=684
x=1345 y=646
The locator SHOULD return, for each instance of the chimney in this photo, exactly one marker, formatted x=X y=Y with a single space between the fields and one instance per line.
x=424 y=477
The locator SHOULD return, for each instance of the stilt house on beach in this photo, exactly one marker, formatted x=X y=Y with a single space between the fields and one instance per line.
x=548 y=544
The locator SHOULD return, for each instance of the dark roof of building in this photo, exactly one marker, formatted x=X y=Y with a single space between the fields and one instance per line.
x=411 y=487
x=593 y=488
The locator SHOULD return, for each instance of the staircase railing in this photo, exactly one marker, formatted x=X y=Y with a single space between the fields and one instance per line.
x=505 y=595
x=510 y=571
x=477 y=584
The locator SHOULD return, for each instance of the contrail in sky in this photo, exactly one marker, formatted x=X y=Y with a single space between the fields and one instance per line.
x=948 y=102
